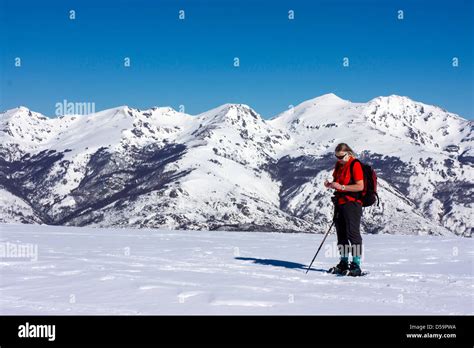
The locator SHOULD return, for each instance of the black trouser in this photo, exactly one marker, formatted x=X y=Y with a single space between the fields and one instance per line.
x=347 y=222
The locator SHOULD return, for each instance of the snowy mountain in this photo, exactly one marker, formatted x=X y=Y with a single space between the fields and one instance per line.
x=229 y=169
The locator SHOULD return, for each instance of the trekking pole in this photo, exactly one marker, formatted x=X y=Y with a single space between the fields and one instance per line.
x=327 y=233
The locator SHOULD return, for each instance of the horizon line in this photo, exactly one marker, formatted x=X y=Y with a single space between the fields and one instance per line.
x=329 y=94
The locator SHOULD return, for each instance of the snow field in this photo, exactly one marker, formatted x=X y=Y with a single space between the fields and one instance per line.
x=143 y=271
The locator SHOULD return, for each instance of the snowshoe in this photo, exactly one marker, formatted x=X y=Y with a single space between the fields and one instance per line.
x=340 y=268
x=353 y=270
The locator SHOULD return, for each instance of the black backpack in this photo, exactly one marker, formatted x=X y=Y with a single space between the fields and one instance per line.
x=369 y=195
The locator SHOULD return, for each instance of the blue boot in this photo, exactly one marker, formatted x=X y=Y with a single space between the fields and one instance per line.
x=341 y=267
x=354 y=268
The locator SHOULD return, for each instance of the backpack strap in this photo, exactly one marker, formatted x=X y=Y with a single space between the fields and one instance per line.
x=351 y=170
x=356 y=195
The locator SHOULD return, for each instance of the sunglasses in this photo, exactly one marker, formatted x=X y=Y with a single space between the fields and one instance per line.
x=341 y=157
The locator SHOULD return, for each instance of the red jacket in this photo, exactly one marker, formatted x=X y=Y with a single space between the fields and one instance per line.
x=342 y=176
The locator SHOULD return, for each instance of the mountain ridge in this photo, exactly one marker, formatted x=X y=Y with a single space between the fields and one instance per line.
x=326 y=96
x=230 y=168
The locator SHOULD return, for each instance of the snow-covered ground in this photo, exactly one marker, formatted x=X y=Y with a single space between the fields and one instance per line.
x=142 y=271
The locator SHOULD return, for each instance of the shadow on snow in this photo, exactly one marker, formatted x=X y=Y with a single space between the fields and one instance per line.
x=279 y=263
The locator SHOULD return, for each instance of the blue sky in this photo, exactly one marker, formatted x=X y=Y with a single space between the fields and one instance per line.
x=190 y=62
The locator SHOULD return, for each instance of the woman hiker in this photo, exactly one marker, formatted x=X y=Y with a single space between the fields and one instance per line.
x=348 y=210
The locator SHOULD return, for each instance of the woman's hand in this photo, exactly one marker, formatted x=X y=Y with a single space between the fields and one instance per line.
x=335 y=186
x=327 y=184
